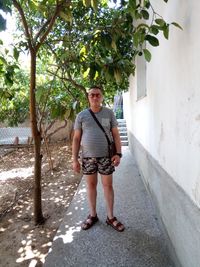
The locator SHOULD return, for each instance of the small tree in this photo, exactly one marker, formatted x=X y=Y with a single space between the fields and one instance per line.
x=36 y=31
x=103 y=53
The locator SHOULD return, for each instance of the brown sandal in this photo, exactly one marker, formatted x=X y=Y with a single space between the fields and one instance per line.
x=89 y=222
x=115 y=224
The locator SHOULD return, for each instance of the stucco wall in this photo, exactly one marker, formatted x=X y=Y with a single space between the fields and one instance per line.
x=167 y=120
x=166 y=124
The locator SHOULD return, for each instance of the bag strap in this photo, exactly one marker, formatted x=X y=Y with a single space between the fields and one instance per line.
x=100 y=126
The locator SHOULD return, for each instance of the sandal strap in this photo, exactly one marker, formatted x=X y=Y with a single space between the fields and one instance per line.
x=114 y=219
x=89 y=222
x=112 y=223
x=92 y=218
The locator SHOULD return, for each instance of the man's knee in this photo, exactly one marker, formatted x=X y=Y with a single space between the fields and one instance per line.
x=91 y=181
x=107 y=182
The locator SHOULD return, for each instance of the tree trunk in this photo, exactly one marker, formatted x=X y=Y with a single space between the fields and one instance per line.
x=38 y=216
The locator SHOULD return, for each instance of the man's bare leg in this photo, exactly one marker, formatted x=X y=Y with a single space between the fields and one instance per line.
x=92 y=192
x=107 y=182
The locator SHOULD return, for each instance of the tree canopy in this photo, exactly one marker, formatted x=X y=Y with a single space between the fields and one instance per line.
x=91 y=43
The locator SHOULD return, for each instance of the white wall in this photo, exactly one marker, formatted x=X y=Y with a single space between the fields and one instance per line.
x=167 y=121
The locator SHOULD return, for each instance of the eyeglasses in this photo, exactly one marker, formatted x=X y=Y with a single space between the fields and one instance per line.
x=93 y=95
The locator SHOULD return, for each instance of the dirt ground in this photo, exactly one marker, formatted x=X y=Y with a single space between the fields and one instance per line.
x=22 y=243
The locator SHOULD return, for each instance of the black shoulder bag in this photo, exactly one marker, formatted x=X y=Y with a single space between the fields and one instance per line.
x=111 y=144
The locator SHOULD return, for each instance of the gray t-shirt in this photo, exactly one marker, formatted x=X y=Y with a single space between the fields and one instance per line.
x=93 y=141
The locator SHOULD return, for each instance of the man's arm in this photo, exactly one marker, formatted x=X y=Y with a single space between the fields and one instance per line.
x=117 y=140
x=75 y=150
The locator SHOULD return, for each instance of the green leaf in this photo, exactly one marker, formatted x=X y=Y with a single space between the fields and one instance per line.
x=145 y=14
x=152 y=40
x=83 y=51
x=147 y=55
x=113 y=44
x=177 y=25
x=94 y=4
x=147 y=4
x=136 y=39
x=5 y=5
x=39 y=93
x=92 y=71
x=166 y=32
x=165 y=1
x=154 y=29
x=15 y=53
x=67 y=16
x=160 y=22
x=132 y=4
x=87 y=3
x=33 y=5
x=138 y=15
x=86 y=73
x=117 y=75
x=8 y=79
x=2 y=60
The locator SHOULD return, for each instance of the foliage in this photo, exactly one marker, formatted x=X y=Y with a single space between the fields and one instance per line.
x=82 y=59
x=99 y=46
x=88 y=46
x=14 y=107
x=13 y=88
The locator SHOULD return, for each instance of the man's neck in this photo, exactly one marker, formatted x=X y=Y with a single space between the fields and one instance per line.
x=95 y=108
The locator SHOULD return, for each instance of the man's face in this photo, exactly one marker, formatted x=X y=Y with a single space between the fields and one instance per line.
x=95 y=97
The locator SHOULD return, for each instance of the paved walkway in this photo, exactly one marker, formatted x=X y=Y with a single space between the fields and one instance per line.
x=141 y=244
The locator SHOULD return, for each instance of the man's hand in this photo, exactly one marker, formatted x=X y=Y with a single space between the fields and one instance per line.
x=76 y=166
x=115 y=160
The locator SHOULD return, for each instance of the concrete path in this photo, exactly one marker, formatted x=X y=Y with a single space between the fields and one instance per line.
x=141 y=244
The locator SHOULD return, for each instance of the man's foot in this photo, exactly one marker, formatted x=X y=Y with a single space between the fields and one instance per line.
x=89 y=222
x=118 y=226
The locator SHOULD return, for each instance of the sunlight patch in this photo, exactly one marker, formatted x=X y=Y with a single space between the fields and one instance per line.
x=69 y=236
x=18 y=172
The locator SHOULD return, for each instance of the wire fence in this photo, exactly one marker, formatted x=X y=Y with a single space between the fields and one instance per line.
x=15 y=135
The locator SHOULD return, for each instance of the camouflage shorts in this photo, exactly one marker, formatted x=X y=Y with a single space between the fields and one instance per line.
x=102 y=165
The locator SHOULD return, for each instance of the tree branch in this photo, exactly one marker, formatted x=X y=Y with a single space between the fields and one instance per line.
x=41 y=30
x=42 y=113
x=51 y=22
x=71 y=93
x=79 y=86
x=56 y=130
x=24 y=22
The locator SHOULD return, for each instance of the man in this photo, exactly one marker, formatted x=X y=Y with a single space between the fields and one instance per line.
x=95 y=158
